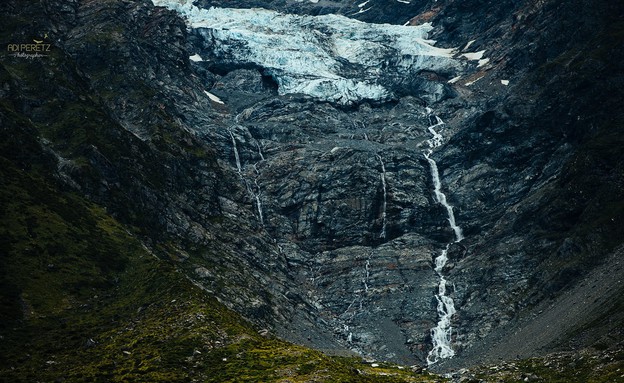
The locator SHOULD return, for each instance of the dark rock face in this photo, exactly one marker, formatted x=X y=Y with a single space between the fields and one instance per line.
x=532 y=201
x=372 y=11
x=120 y=132
x=318 y=219
x=316 y=173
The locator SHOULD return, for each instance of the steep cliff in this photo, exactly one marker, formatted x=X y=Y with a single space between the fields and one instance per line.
x=349 y=186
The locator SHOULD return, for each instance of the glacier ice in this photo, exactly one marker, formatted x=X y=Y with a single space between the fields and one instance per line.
x=329 y=57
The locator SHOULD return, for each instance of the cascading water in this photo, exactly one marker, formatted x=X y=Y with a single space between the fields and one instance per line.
x=441 y=334
x=260 y=151
x=236 y=156
x=239 y=168
x=259 y=191
x=259 y=203
x=385 y=198
x=365 y=280
x=441 y=197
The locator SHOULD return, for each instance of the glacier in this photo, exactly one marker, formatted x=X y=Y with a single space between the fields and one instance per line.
x=330 y=57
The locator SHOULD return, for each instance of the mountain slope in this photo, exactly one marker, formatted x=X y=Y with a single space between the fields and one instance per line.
x=315 y=217
x=84 y=300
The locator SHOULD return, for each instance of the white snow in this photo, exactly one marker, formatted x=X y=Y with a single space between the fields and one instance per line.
x=404 y=2
x=213 y=97
x=330 y=57
x=505 y=82
x=482 y=62
x=196 y=58
x=362 y=5
x=473 y=81
x=468 y=44
x=454 y=80
x=474 y=55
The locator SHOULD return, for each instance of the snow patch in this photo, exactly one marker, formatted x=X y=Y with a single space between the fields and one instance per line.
x=468 y=44
x=329 y=57
x=473 y=81
x=482 y=62
x=454 y=80
x=474 y=55
x=505 y=82
x=213 y=97
x=196 y=58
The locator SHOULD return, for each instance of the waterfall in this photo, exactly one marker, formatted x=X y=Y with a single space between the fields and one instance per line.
x=260 y=151
x=385 y=198
x=441 y=334
x=258 y=203
x=239 y=168
x=257 y=195
x=437 y=139
x=365 y=281
x=238 y=163
x=441 y=197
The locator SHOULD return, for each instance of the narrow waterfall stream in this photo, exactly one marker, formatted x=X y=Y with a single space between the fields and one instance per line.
x=258 y=202
x=441 y=334
x=255 y=194
x=385 y=198
x=441 y=197
x=260 y=151
x=236 y=156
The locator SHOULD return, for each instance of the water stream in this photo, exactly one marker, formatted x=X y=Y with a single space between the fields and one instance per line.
x=255 y=194
x=441 y=335
x=236 y=156
x=385 y=198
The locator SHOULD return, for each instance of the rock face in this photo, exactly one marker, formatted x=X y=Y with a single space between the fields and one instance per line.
x=309 y=206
